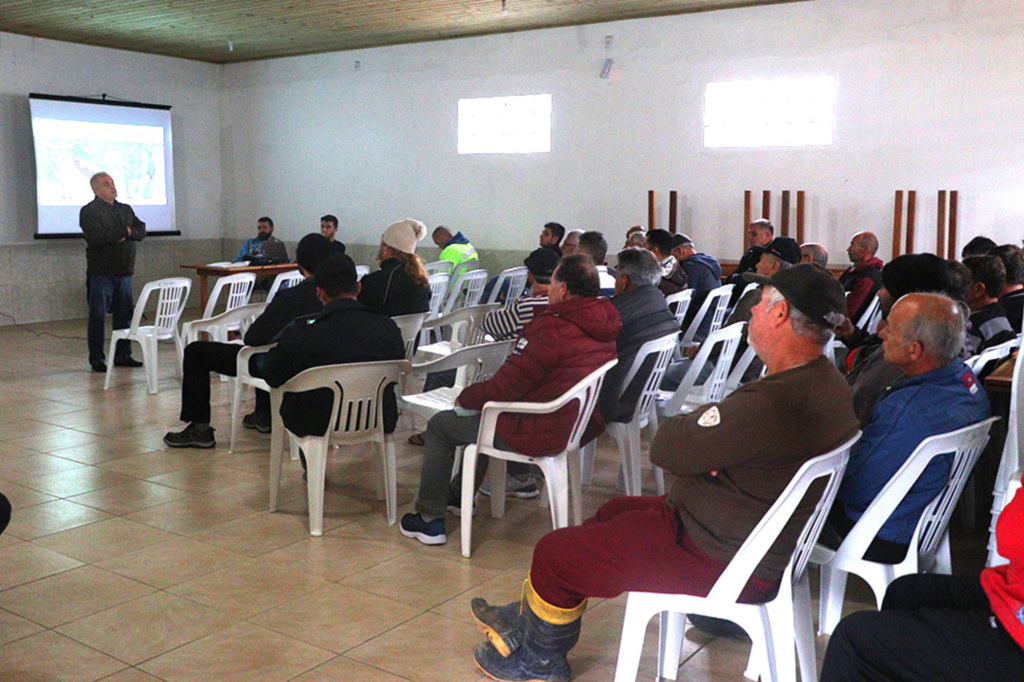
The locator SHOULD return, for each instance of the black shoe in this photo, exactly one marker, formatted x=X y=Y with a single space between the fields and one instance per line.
x=98 y=366
x=717 y=627
x=255 y=420
x=190 y=437
x=127 y=362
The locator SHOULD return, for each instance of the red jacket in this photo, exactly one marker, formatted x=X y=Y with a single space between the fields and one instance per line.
x=1004 y=584
x=862 y=282
x=563 y=344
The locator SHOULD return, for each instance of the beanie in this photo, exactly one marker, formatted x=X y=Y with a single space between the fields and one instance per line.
x=403 y=235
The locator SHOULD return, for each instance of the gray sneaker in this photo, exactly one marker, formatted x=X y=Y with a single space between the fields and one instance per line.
x=521 y=488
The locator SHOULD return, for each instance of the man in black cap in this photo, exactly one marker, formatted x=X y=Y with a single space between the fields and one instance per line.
x=203 y=357
x=344 y=331
x=731 y=461
x=506 y=323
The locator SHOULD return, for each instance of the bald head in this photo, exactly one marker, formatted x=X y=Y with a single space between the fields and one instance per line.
x=863 y=247
x=814 y=253
x=440 y=236
x=924 y=332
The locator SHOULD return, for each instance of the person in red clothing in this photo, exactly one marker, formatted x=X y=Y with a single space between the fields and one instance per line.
x=862 y=279
x=941 y=627
x=570 y=338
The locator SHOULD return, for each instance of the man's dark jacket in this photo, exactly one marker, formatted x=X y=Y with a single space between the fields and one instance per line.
x=109 y=250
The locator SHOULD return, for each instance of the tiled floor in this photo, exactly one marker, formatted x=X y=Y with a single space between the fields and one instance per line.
x=126 y=561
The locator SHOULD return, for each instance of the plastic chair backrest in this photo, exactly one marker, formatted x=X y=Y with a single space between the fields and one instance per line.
x=965 y=445
x=682 y=301
x=468 y=289
x=742 y=365
x=438 y=289
x=661 y=348
x=719 y=298
x=358 y=392
x=831 y=465
x=439 y=266
x=362 y=271
x=871 y=316
x=747 y=289
x=410 y=326
x=714 y=387
x=516 y=279
x=173 y=292
x=484 y=358
x=239 y=290
x=998 y=353
x=466 y=324
x=286 y=280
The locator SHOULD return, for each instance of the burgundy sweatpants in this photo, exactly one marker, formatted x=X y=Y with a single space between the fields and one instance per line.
x=631 y=544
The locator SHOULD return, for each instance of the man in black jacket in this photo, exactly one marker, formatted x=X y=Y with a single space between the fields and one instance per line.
x=344 y=331
x=111 y=230
x=203 y=357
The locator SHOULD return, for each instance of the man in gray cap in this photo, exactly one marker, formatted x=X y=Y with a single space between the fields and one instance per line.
x=203 y=357
x=731 y=461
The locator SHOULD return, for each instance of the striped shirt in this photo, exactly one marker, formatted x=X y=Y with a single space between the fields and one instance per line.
x=506 y=323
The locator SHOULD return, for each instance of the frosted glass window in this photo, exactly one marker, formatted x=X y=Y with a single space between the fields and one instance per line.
x=505 y=125
x=779 y=112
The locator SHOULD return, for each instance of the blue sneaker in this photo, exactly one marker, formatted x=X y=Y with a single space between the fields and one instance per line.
x=427 y=532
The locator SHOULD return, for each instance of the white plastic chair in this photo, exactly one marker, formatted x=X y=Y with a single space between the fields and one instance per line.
x=627 y=435
x=466 y=292
x=872 y=315
x=410 y=326
x=439 y=266
x=735 y=378
x=362 y=271
x=217 y=326
x=775 y=626
x=356 y=417
x=285 y=280
x=929 y=546
x=239 y=288
x=682 y=301
x=516 y=278
x=1010 y=460
x=747 y=289
x=473 y=364
x=464 y=327
x=994 y=354
x=242 y=379
x=560 y=474
x=173 y=292
x=715 y=304
x=438 y=290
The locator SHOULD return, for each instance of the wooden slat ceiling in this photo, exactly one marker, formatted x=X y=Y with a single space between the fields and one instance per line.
x=262 y=29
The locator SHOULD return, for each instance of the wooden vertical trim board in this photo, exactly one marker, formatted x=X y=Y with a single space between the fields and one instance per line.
x=651 y=214
x=954 y=200
x=800 y=205
x=897 y=225
x=911 y=218
x=766 y=204
x=785 y=213
x=940 y=226
x=673 y=209
x=748 y=214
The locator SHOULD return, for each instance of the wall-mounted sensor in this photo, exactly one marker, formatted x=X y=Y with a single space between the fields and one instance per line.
x=606 y=68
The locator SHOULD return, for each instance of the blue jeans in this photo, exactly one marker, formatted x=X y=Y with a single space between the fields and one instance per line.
x=109 y=293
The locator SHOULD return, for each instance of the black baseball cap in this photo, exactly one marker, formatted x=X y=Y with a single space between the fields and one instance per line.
x=541 y=262
x=784 y=248
x=680 y=239
x=811 y=289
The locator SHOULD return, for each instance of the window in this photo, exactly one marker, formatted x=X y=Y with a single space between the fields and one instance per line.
x=505 y=125
x=780 y=112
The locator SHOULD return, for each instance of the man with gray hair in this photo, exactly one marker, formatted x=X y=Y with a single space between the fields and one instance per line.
x=813 y=253
x=594 y=244
x=924 y=335
x=571 y=242
x=645 y=317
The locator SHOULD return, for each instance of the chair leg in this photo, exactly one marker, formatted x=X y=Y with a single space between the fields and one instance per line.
x=617 y=432
x=587 y=456
x=277 y=438
x=631 y=643
x=469 y=456
x=659 y=479
x=633 y=438
x=380 y=473
x=149 y=352
x=236 y=410
x=391 y=480
x=496 y=470
x=316 y=469
x=575 y=487
x=830 y=599
x=179 y=349
x=110 y=361
x=670 y=643
x=943 y=561
x=803 y=631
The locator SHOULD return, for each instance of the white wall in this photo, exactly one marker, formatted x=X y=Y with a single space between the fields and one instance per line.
x=929 y=98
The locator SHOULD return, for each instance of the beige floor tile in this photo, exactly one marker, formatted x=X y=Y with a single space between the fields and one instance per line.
x=49 y=656
x=35 y=464
x=102 y=451
x=246 y=589
x=130 y=497
x=419 y=580
x=75 y=481
x=189 y=515
x=205 y=479
x=333 y=557
x=336 y=618
x=429 y=648
x=146 y=627
x=502 y=589
x=170 y=563
x=70 y=595
x=21 y=497
x=104 y=539
x=13 y=628
x=342 y=668
x=131 y=675
x=24 y=562
x=55 y=440
x=150 y=464
x=257 y=533
x=51 y=517
x=240 y=653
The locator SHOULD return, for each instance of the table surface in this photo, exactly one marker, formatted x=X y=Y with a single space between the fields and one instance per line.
x=1001 y=379
x=220 y=270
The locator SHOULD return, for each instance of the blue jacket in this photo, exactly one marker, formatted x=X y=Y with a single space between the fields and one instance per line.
x=911 y=410
x=703 y=272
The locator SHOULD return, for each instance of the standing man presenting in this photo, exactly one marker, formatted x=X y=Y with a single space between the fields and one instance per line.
x=111 y=230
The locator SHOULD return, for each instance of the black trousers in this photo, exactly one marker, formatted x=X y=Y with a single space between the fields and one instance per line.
x=201 y=358
x=930 y=628
x=5 y=512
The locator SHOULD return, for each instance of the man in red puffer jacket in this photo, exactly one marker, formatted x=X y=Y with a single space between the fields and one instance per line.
x=570 y=338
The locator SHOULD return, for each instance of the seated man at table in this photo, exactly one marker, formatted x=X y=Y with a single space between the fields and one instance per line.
x=253 y=248
x=203 y=357
x=329 y=229
x=401 y=286
x=566 y=341
x=731 y=461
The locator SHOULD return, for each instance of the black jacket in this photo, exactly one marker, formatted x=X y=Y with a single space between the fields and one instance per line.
x=343 y=332
x=645 y=316
x=109 y=250
x=289 y=304
x=392 y=292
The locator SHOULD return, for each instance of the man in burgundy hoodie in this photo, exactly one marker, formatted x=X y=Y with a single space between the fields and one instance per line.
x=570 y=338
x=862 y=279
x=941 y=627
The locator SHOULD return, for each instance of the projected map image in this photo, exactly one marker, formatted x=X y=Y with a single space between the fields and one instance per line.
x=68 y=153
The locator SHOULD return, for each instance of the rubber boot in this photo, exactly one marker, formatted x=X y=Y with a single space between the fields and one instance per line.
x=503 y=625
x=549 y=632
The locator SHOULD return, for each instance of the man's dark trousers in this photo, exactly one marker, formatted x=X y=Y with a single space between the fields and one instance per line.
x=111 y=293
x=201 y=358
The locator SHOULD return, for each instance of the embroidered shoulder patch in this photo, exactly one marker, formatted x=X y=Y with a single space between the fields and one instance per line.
x=711 y=417
x=969 y=382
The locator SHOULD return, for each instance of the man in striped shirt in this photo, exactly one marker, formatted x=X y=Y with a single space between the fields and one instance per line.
x=507 y=322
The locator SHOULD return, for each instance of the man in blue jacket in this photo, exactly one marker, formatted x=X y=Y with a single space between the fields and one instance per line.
x=924 y=335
